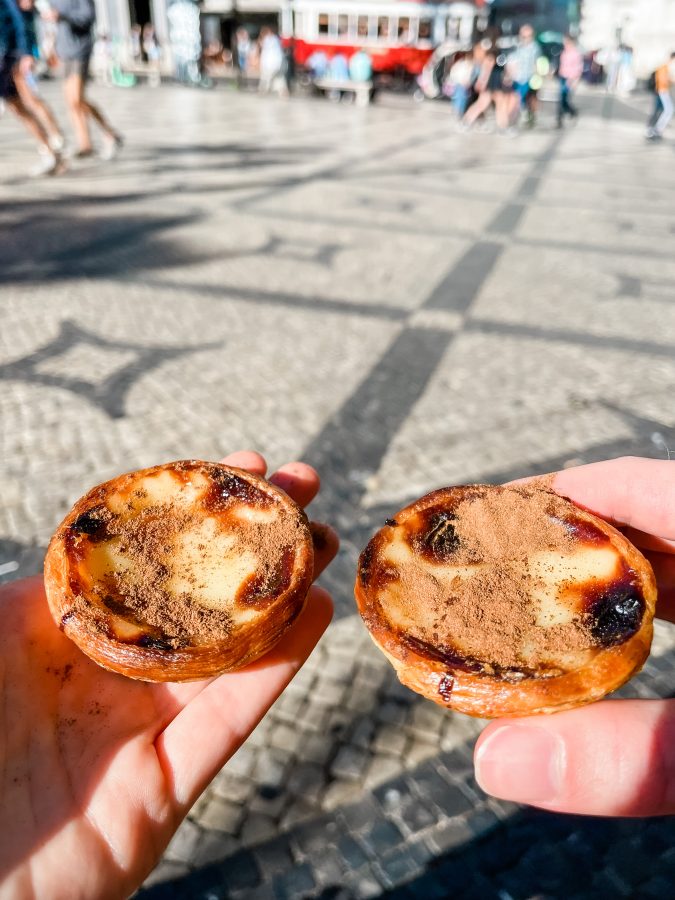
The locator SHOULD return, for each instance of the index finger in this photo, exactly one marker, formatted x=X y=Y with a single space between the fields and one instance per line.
x=629 y=491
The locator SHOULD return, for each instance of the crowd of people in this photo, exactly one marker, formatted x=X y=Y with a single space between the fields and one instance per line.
x=488 y=77
x=74 y=21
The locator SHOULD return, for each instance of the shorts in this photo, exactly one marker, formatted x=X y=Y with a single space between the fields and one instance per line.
x=78 y=66
x=7 y=86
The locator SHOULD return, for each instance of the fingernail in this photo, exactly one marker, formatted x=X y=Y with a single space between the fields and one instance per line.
x=524 y=763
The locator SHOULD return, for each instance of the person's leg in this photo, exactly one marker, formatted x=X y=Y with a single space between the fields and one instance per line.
x=72 y=89
x=29 y=121
x=478 y=108
x=501 y=110
x=38 y=108
x=666 y=114
x=656 y=113
x=562 y=101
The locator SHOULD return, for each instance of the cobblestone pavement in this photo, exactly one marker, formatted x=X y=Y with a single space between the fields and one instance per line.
x=404 y=307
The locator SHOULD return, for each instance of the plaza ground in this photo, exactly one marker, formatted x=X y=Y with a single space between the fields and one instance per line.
x=402 y=306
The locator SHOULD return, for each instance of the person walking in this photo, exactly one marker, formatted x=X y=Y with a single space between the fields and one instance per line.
x=522 y=66
x=16 y=61
x=74 y=45
x=493 y=87
x=569 y=73
x=663 y=104
x=27 y=86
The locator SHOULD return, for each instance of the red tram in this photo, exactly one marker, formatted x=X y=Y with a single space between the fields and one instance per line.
x=398 y=36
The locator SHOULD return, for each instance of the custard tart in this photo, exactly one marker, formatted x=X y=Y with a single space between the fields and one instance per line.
x=179 y=572
x=506 y=601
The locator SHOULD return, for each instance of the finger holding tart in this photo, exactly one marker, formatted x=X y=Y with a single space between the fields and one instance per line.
x=181 y=571
x=506 y=601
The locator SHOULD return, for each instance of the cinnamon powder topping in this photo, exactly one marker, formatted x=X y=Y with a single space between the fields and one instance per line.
x=486 y=617
x=140 y=592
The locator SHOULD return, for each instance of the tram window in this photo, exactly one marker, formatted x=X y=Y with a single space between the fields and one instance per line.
x=425 y=30
x=342 y=25
x=383 y=26
x=362 y=26
x=404 y=29
x=323 y=24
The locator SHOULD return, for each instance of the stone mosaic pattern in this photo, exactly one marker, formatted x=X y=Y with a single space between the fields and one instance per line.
x=403 y=307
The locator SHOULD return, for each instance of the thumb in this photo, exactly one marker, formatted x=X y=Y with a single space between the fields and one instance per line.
x=615 y=758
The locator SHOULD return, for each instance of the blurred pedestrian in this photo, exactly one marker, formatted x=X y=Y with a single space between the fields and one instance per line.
x=16 y=59
x=152 y=54
x=460 y=79
x=243 y=51
x=27 y=86
x=492 y=89
x=523 y=68
x=570 y=69
x=663 y=104
x=271 y=61
x=74 y=45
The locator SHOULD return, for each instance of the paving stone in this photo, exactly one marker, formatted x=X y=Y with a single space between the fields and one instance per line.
x=214 y=846
x=270 y=767
x=232 y=788
x=392 y=713
x=257 y=828
x=306 y=780
x=286 y=738
x=381 y=769
x=272 y=857
x=221 y=816
x=350 y=762
x=316 y=748
x=381 y=836
x=240 y=871
x=184 y=843
x=390 y=739
x=294 y=884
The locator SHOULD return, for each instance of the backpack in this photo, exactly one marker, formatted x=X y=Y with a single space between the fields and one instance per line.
x=651 y=82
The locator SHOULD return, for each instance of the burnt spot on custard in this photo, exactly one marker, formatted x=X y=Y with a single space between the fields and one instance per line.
x=264 y=587
x=616 y=615
x=438 y=538
x=156 y=643
x=366 y=562
x=93 y=523
x=226 y=486
x=392 y=523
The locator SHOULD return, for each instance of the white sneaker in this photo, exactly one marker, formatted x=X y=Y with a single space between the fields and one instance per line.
x=49 y=164
x=57 y=143
x=111 y=147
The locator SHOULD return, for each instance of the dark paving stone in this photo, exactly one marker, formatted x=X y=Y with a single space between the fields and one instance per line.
x=298 y=882
x=382 y=836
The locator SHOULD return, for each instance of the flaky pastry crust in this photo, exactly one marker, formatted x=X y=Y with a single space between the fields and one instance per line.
x=175 y=502
x=481 y=689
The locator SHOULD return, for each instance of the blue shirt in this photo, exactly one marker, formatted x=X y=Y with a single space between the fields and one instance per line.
x=13 y=40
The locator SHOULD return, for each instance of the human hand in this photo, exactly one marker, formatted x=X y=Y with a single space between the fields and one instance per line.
x=616 y=757
x=25 y=65
x=98 y=770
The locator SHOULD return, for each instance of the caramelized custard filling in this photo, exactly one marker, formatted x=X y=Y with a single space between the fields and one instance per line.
x=505 y=582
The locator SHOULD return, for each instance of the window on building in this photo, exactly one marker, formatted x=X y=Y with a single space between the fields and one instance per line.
x=425 y=29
